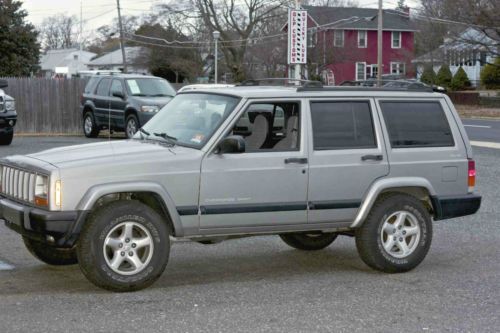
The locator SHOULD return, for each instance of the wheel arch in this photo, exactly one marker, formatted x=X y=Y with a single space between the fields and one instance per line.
x=418 y=187
x=149 y=193
x=130 y=110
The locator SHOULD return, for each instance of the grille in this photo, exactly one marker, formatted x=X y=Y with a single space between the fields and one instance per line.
x=18 y=184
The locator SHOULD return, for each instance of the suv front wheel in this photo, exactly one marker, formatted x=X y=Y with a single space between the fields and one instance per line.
x=124 y=246
x=131 y=126
x=397 y=234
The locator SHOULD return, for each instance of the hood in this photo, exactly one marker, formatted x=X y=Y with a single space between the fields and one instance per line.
x=103 y=151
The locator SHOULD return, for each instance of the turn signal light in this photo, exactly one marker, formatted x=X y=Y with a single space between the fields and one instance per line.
x=472 y=175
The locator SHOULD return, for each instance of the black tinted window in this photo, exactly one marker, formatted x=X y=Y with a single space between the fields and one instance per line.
x=342 y=125
x=103 y=87
x=416 y=124
x=116 y=85
x=91 y=84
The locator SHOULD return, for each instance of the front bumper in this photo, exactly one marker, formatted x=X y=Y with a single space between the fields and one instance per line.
x=447 y=207
x=54 y=228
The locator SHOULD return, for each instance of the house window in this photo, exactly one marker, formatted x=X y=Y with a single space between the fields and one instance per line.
x=312 y=38
x=398 y=68
x=362 y=38
x=360 y=71
x=396 y=39
x=338 y=38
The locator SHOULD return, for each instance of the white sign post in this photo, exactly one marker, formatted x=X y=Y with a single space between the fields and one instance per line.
x=297 y=39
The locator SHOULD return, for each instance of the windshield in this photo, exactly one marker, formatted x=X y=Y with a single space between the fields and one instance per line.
x=149 y=87
x=190 y=119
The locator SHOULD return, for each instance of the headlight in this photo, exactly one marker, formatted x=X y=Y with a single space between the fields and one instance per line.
x=42 y=191
x=150 y=108
x=10 y=105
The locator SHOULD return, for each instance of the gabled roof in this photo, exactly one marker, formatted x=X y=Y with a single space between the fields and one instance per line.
x=64 y=58
x=133 y=54
x=392 y=19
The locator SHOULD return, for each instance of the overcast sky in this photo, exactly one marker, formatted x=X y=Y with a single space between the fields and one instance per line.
x=101 y=12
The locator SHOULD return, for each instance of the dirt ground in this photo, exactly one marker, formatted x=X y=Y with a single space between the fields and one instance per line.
x=472 y=111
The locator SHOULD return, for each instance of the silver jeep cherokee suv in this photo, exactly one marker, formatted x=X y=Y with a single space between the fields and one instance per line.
x=306 y=163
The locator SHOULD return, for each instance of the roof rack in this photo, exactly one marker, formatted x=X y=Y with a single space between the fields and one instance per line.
x=287 y=81
x=371 y=85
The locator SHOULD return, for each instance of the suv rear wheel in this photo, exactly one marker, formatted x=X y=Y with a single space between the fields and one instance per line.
x=90 y=128
x=124 y=246
x=397 y=234
x=131 y=126
x=50 y=255
x=309 y=242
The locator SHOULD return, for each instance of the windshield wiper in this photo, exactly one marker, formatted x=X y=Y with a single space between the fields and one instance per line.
x=172 y=140
x=160 y=95
x=144 y=134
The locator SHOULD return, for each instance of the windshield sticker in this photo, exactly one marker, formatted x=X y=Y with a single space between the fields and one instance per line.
x=134 y=87
x=198 y=138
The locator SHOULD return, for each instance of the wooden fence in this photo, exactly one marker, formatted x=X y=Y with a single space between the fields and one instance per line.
x=47 y=106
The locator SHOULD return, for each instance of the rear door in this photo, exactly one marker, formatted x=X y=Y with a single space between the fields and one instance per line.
x=347 y=154
x=101 y=101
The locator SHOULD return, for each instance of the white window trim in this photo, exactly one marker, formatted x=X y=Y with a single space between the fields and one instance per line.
x=400 y=39
x=366 y=39
x=343 y=38
x=356 y=71
x=398 y=63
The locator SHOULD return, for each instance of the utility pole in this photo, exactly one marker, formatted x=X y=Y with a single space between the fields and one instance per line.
x=297 y=66
x=122 y=41
x=379 y=44
x=81 y=28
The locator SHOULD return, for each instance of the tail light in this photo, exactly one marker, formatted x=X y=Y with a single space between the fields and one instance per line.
x=472 y=175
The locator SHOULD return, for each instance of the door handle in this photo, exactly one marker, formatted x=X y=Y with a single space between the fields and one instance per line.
x=372 y=157
x=295 y=160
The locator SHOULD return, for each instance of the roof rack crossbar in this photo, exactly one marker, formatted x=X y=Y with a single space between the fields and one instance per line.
x=256 y=82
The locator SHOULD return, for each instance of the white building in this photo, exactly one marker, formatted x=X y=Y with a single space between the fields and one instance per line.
x=137 y=60
x=470 y=50
x=65 y=62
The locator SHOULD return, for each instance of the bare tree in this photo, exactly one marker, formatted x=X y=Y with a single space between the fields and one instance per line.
x=482 y=15
x=59 y=31
x=332 y=3
x=236 y=21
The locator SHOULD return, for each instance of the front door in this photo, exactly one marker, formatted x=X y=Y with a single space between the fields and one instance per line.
x=266 y=186
x=346 y=156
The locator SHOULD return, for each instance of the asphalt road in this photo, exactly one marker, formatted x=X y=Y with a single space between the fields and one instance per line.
x=261 y=285
x=482 y=129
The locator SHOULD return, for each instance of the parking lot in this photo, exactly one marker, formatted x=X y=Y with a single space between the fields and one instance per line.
x=262 y=285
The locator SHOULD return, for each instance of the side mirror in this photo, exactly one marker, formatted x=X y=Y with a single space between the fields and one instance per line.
x=233 y=144
x=117 y=93
x=3 y=84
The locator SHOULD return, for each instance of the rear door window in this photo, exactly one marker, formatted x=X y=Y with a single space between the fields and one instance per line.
x=342 y=125
x=103 y=87
x=416 y=124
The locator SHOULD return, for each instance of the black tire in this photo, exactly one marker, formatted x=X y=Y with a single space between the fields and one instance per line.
x=51 y=255
x=133 y=122
x=6 y=138
x=88 y=119
x=309 y=242
x=91 y=251
x=370 y=239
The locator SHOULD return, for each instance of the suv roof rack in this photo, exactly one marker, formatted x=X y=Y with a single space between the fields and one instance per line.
x=290 y=81
x=371 y=85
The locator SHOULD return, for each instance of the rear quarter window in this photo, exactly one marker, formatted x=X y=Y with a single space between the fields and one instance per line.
x=412 y=124
x=89 y=88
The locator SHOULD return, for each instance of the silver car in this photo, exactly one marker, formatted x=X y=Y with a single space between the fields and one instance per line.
x=305 y=163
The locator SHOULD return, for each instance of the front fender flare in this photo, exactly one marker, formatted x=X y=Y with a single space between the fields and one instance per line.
x=384 y=184
x=95 y=192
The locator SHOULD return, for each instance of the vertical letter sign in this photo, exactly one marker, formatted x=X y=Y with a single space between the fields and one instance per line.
x=297 y=36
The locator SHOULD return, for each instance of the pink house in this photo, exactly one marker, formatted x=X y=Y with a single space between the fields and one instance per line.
x=342 y=44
